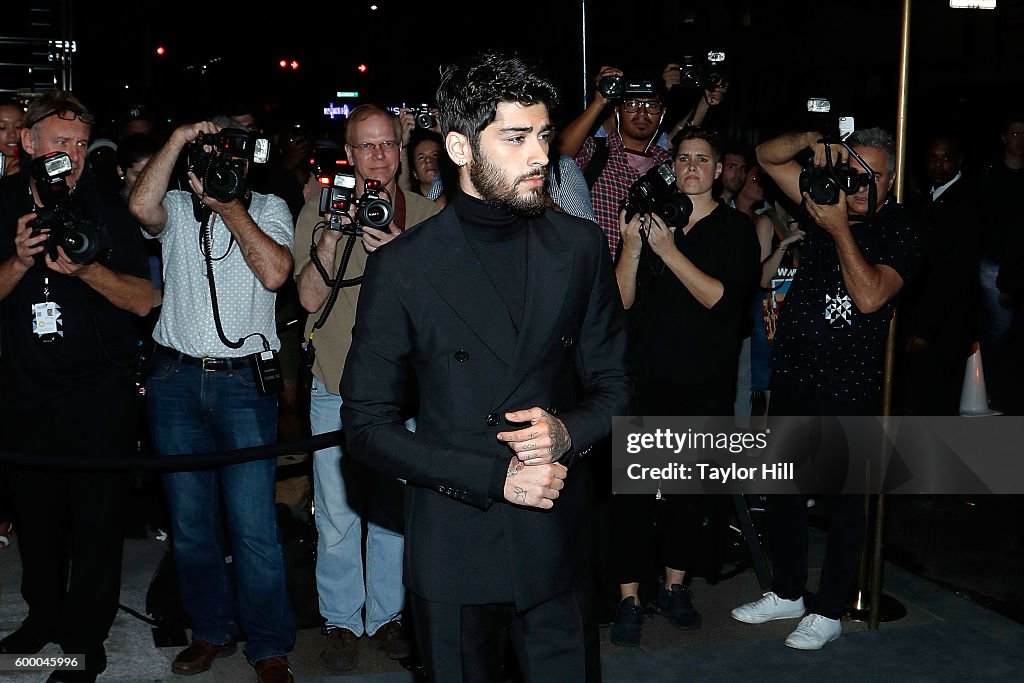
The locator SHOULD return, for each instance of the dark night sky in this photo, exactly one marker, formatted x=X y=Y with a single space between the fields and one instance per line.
x=962 y=62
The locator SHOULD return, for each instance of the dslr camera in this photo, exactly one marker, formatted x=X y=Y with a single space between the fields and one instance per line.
x=222 y=169
x=424 y=119
x=339 y=197
x=823 y=184
x=709 y=73
x=84 y=242
x=613 y=87
x=656 y=192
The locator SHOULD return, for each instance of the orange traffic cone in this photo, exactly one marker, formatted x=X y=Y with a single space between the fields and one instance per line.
x=973 y=396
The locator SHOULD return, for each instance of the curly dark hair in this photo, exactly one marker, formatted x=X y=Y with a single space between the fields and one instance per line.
x=471 y=89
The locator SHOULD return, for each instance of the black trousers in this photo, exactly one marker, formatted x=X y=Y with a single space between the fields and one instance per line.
x=644 y=527
x=468 y=643
x=787 y=529
x=70 y=539
x=787 y=516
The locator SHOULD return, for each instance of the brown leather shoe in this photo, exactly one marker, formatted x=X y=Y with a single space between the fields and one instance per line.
x=392 y=638
x=199 y=656
x=273 y=670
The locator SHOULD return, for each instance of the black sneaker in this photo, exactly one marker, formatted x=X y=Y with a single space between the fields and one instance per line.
x=629 y=621
x=677 y=604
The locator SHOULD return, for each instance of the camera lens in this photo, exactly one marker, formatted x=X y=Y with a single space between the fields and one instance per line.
x=425 y=119
x=223 y=180
x=375 y=213
x=611 y=87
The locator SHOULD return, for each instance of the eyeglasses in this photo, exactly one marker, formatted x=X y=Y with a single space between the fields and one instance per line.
x=368 y=147
x=64 y=115
x=633 y=106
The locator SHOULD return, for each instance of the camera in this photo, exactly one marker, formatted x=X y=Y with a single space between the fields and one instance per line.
x=83 y=241
x=823 y=185
x=424 y=119
x=656 y=192
x=613 y=87
x=222 y=169
x=340 y=196
x=707 y=74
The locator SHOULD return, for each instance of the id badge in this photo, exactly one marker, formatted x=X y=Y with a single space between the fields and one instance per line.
x=46 y=321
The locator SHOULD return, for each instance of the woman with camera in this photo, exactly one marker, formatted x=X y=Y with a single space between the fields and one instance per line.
x=687 y=286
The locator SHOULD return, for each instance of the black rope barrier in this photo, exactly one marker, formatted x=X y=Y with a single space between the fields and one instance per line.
x=169 y=463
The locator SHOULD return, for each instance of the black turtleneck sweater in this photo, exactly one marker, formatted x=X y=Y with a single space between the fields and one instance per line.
x=498 y=239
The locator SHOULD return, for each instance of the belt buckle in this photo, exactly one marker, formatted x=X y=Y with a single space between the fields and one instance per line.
x=208 y=364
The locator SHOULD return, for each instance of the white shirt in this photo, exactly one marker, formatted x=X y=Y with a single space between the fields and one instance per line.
x=937 y=191
x=246 y=307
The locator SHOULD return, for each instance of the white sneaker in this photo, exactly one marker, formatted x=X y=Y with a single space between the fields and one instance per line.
x=814 y=632
x=769 y=608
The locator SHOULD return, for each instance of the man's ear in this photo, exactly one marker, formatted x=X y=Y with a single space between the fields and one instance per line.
x=718 y=169
x=27 y=143
x=458 y=148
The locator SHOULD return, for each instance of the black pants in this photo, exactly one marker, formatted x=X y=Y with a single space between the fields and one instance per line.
x=787 y=516
x=70 y=520
x=468 y=643
x=644 y=527
x=787 y=529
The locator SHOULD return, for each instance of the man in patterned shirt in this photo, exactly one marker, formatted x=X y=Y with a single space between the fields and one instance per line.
x=224 y=260
x=631 y=148
x=828 y=354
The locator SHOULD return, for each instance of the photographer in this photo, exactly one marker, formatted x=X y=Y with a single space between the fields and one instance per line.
x=627 y=152
x=70 y=333
x=373 y=150
x=687 y=287
x=216 y=341
x=829 y=348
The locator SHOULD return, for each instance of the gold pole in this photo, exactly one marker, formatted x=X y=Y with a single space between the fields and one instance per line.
x=875 y=581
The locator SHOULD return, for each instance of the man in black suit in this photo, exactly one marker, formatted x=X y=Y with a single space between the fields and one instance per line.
x=940 y=307
x=508 y=317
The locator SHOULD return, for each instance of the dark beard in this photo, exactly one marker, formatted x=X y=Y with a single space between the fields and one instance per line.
x=488 y=180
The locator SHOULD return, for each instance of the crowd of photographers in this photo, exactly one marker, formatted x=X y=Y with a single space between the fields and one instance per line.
x=708 y=239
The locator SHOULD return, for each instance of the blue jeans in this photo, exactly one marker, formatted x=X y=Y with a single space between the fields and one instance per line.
x=339 y=565
x=996 y=324
x=194 y=411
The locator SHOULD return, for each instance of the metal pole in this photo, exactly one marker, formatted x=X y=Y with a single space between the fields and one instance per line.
x=583 y=49
x=875 y=581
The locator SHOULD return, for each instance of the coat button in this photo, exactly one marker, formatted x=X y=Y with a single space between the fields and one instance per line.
x=567 y=341
x=462 y=355
x=493 y=419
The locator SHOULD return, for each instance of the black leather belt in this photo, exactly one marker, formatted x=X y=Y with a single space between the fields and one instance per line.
x=208 y=364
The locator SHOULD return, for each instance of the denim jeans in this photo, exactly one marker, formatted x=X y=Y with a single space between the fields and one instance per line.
x=196 y=411
x=996 y=324
x=339 y=566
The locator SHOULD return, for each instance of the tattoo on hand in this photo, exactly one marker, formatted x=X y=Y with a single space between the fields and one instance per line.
x=519 y=493
x=513 y=469
x=560 y=440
